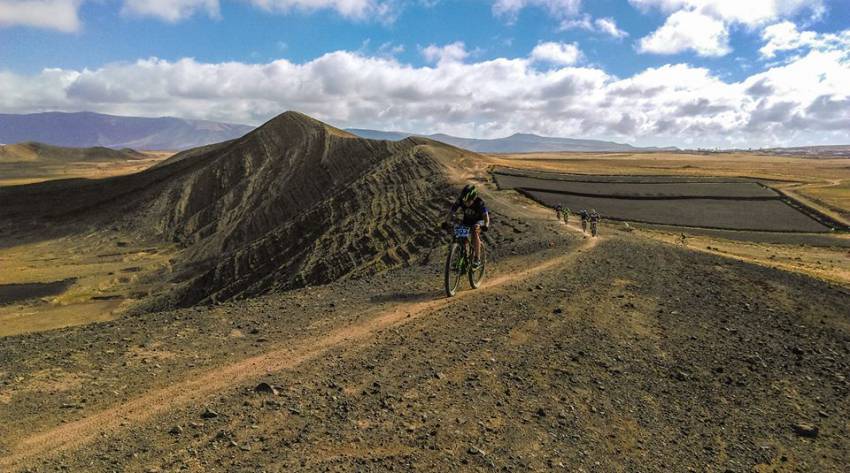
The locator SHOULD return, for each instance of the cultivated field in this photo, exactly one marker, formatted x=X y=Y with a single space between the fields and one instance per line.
x=822 y=183
x=763 y=215
x=691 y=202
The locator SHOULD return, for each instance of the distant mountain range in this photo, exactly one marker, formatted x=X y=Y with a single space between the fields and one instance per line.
x=516 y=143
x=88 y=129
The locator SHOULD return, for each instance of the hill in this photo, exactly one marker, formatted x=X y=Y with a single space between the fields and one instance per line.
x=87 y=129
x=38 y=153
x=516 y=143
x=294 y=202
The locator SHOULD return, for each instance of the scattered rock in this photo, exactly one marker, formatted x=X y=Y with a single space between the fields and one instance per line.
x=209 y=413
x=805 y=430
x=176 y=430
x=265 y=388
x=558 y=310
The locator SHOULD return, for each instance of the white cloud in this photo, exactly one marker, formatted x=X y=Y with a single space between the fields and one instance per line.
x=383 y=10
x=450 y=53
x=609 y=26
x=785 y=36
x=559 y=9
x=562 y=54
x=703 y=25
x=171 y=10
x=688 y=30
x=59 y=15
x=600 y=25
x=748 y=12
x=803 y=101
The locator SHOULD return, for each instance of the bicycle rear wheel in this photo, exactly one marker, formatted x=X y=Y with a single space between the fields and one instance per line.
x=476 y=276
x=454 y=265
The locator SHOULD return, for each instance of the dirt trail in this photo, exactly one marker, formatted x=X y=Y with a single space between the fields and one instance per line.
x=75 y=434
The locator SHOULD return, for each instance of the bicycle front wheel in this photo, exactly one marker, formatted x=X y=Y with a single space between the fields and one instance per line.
x=455 y=265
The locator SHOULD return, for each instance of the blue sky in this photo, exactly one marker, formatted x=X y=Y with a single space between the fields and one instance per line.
x=659 y=72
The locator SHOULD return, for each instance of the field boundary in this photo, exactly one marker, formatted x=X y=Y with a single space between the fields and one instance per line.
x=649 y=197
x=520 y=172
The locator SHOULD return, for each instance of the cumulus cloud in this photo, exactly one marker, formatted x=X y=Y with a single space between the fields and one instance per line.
x=450 y=53
x=59 y=15
x=170 y=10
x=688 y=30
x=563 y=54
x=803 y=101
x=383 y=10
x=785 y=36
x=557 y=8
x=703 y=25
x=606 y=26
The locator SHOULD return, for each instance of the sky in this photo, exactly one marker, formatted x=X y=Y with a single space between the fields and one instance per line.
x=688 y=73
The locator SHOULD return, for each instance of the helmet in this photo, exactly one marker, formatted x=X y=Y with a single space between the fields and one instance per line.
x=468 y=193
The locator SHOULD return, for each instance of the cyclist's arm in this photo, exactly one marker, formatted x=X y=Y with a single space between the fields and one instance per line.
x=452 y=211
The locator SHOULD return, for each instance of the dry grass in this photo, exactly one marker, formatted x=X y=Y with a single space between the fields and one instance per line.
x=19 y=173
x=108 y=278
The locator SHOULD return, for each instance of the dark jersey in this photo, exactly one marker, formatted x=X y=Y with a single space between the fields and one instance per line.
x=472 y=214
x=594 y=217
x=583 y=214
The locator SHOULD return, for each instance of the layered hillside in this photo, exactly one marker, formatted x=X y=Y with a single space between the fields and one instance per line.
x=292 y=203
x=299 y=202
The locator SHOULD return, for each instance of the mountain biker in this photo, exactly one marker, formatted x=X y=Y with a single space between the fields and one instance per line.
x=584 y=216
x=594 y=220
x=475 y=215
x=567 y=213
x=558 y=210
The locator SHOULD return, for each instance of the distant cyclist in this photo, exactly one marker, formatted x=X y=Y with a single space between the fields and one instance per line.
x=584 y=216
x=558 y=209
x=594 y=221
x=567 y=213
x=475 y=215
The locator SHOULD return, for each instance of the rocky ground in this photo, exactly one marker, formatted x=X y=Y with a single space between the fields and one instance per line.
x=616 y=354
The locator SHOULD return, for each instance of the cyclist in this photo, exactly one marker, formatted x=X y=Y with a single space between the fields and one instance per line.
x=475 y=215
x=584 y=216
x=594 y=220
x=558 y=209
x=567 y=213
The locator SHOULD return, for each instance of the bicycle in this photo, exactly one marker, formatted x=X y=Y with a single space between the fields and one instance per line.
x=593 y=228
x=459 y=261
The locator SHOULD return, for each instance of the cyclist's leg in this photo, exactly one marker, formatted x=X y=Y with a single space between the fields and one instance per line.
x=476 y=241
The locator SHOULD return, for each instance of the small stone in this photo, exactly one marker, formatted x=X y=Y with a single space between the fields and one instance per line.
x=805 y=430
x=176 y=430
x=265 y=388
x=209 y=413
x=558 y=310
